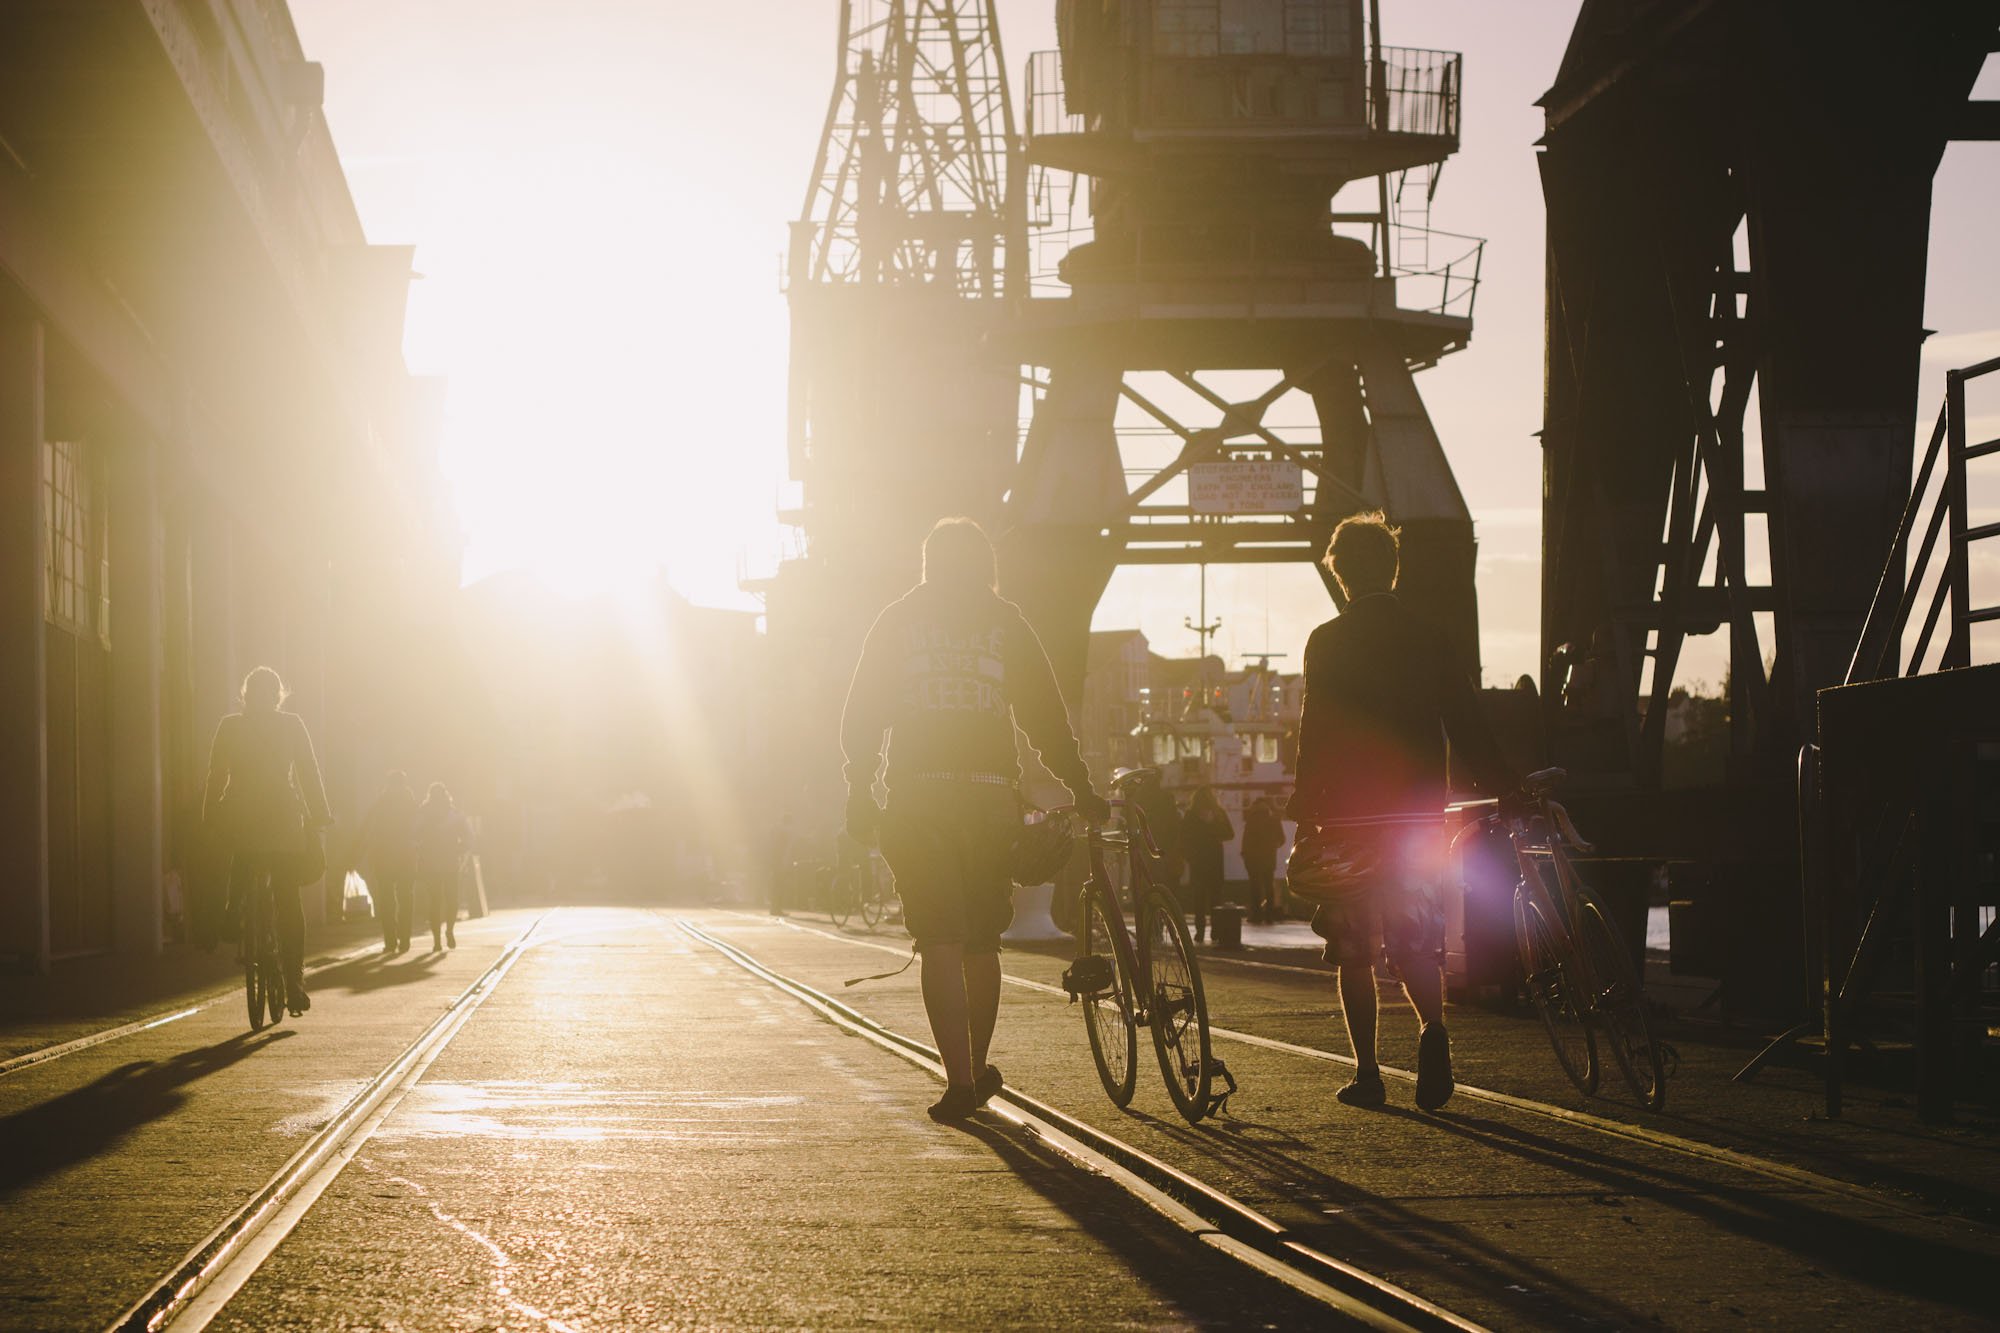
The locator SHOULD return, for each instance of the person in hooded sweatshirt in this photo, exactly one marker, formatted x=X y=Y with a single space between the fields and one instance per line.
x=947 y=671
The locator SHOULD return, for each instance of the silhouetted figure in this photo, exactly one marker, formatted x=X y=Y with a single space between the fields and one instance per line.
x=1381 y=694
x=264 y=798
x=948 y=669
x=1263 y=834
x=1205 y=831
x=388 y=847
x=442 y=837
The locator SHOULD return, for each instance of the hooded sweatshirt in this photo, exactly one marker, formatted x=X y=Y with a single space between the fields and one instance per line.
x=949 y=672
x=1382 y=696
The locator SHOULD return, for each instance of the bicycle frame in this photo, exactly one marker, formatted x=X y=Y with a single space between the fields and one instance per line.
x=1134 y=954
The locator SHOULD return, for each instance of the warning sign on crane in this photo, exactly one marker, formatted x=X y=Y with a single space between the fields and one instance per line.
x=1267 y=487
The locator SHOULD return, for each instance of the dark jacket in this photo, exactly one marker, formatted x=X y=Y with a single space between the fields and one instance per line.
x=442 y=837
x=1203 y=836
x=949 y=674
x=389 y=833
x=263 y=781
x=1381 y=696
x=1263 y=834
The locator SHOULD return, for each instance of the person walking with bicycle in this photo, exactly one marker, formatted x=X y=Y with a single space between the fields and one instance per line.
x=1382 y=695
x=947 y=671
x=264 y=797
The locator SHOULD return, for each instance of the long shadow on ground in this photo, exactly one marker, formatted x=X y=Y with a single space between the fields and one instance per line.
x=80 y=1124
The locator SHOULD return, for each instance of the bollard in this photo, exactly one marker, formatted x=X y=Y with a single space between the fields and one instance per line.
x=1032 y=918
x=1228 y=921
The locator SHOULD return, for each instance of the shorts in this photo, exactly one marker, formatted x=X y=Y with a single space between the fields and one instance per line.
x=950 y=845
x=1400 y=914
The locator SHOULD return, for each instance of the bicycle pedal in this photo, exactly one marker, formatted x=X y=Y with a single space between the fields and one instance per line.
x=1218 y=1102
x=1090 y=975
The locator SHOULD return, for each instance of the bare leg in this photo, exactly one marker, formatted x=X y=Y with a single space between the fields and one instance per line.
x=982 y=995
x=1358 y=1007
x=945 y=1003
x=1424 y=984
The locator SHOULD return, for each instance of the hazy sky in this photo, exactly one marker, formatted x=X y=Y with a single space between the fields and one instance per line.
x=598 y=191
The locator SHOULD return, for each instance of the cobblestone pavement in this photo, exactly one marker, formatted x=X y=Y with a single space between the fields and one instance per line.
x=630 y=1131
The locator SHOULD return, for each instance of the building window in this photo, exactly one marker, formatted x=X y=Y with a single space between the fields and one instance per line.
x=1186 y=27
x=75 y=545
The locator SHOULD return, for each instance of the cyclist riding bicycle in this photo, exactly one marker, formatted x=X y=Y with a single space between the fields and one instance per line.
x=947 y=670
x=265 y=799
x=1382 y=693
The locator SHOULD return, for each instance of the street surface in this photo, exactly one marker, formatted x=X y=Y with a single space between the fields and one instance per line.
x=631 y=1131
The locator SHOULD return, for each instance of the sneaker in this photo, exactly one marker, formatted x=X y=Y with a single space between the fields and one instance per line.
x=1434 y=1081
x=956 y=1104
x=987 y=1086
x=1366 y=1090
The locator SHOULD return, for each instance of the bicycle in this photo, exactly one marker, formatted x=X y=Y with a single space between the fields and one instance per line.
x=263 y=964
x=1155 y=980
x=1578 y=976
x=877 y=892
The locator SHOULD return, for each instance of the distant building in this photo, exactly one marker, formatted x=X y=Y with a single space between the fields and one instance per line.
x=211 y=454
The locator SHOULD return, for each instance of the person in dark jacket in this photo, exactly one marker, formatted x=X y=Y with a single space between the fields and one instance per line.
x=1205 y=832
x=442 y=837
x=264 y=798
x=1382 y=694
x=1263 y=834
x=948 y=670
x=388 y=847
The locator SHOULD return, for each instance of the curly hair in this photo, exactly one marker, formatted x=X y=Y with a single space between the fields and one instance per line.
x=1365 y=554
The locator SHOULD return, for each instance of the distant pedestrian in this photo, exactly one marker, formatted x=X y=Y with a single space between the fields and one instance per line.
x=264 y=798
x=388 y=850
x=442 y=837
x=948 y=670
x=1205 y=832
x=1263 y=834
x=1382 y=694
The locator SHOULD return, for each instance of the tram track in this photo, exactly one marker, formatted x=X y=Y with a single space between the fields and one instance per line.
x=190 y=1295
x=1662 y=1140
x=230 y=993
x=1209 y=1215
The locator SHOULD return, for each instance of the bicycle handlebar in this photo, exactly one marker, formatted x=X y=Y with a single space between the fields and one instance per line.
x=1096 y=831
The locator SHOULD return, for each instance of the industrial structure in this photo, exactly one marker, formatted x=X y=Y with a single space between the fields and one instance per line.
x=211 y=453
x=1167 y=214
x=1739 y=202
x=899 y=272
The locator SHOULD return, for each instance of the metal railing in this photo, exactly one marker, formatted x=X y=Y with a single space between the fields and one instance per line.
x=1878 y=653
x=1413 y=91
x=1449 y=288
x=1047 y=113
x=1407 y=91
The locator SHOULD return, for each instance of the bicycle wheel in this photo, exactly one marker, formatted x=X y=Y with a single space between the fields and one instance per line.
x=1620 y=1005
x=274 y=985
x=1109 y=1016
x=1552 y=986
x=253 y=990
x=1176 y=1005
x=840 y=898
x=872 y=907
